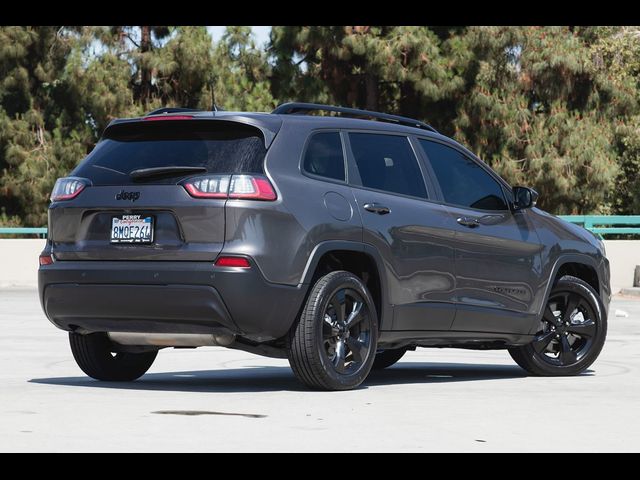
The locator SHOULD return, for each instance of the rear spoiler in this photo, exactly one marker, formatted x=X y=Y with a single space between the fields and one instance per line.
x=268 y=125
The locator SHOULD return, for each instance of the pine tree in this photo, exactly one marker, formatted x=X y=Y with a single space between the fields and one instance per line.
x=397 y=69
x=40 y=135
x=241 y=73
x=535 y=108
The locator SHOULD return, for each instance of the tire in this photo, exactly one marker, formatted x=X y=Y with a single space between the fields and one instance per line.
x=323 y=351
x=386 y=358
x=590 y=328
x=93 y=354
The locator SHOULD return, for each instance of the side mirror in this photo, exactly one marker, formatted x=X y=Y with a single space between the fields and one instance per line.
x=524 y=197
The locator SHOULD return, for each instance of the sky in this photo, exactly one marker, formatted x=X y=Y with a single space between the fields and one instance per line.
x=261 y=33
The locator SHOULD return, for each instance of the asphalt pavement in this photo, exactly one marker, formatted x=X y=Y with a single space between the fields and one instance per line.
x=219 y=400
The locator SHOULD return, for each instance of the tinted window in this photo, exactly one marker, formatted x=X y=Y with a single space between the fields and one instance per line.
x=463 y=182
x=324 y=156
x=220 y=147
x=387 y=162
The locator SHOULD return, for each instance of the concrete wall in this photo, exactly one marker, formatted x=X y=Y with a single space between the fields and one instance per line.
x=19 y=261
x=623 y=257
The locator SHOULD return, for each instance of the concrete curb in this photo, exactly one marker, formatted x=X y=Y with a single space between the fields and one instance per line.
x=631 y=291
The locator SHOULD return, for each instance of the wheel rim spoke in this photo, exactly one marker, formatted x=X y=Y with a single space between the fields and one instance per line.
x=346 y=331
x=585 y=329
x=550 y=317
x=354 y=317
x=570 y=307
x=338 y=302
x=541 y=342
x=339 y=359
x=567 y=356
x=358 y=349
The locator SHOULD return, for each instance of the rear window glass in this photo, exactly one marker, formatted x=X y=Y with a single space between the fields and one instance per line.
x=220 y=147
x=387 y=162
x=324 y=156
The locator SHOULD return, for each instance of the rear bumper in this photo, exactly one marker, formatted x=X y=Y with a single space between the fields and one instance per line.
x=166 y=297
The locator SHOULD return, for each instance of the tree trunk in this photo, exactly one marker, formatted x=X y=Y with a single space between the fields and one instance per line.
x=145 y=70
x=371 y=86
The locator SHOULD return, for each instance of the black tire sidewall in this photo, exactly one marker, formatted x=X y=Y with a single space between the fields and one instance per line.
x=92 y=353
x=314 y=311
x=574 y=285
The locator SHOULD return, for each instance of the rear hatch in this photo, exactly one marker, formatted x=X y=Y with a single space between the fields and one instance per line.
x=135 y=183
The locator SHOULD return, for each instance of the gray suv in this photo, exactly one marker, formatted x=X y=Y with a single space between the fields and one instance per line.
x=337 y=241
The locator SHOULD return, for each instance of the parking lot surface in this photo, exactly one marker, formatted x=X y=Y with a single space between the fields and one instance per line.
x=219 y=400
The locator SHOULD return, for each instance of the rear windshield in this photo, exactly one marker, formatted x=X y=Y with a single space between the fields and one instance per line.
x=218 y=146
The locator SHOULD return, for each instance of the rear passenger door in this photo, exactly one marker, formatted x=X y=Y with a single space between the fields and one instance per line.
x=411 y=233
x=497 y=251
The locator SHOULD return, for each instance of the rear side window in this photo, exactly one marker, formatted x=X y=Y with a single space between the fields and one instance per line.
x=218 y=146
x=463 y=182
x=387 y=162
x=324 y=156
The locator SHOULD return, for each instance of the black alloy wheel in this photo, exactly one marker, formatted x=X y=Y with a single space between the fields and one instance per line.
x=571 y=332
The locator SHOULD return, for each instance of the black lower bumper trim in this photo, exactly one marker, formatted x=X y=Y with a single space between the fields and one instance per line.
x=137 y=308
x=167 y=297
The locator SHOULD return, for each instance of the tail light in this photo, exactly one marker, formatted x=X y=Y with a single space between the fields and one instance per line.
x=68 y=188
x=250 y=187
x=211 y=186
x=45 y=259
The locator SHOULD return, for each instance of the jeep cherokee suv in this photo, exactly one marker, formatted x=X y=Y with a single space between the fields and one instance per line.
x=338 y=242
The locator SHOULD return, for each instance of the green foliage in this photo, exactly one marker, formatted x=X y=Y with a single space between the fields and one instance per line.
x=61 y=86
x=241 y=77
x=555 y=108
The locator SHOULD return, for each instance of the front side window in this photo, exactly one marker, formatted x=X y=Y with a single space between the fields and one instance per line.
x=324 y=156
x=463 y=182
x=387 y=162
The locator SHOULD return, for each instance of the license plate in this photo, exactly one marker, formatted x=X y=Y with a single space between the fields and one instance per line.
x=131 y=229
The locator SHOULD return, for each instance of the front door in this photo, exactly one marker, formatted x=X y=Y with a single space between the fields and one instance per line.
x=497 y=251
x=411 y=233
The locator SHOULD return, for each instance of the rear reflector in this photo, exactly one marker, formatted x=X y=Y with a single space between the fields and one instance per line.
x=249 y=187
x=168 y=117
x=232 y=262
x=68 y=188
x=45 y=260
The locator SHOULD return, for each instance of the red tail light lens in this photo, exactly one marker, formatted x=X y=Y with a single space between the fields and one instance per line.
x=45 y=260
x=211 y=186
x=68 y=188
x=250 y=187
x=232 y=262
x=168 y=117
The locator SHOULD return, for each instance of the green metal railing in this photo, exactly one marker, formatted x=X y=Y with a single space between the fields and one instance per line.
x=41 y=232
x=607 y=224
x=598 y=224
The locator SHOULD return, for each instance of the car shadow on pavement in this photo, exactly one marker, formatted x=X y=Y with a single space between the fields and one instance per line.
x=271 y=378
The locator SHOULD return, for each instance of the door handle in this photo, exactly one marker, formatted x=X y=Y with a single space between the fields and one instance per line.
x=468 y=222
x=377 y=208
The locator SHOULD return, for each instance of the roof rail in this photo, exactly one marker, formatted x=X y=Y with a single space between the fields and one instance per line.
x=297 y=107
x=158 y=111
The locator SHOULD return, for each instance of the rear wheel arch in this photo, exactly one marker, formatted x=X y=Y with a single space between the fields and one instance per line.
x=362 y=260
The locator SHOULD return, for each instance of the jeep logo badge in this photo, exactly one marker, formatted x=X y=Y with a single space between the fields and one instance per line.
x=133 y=196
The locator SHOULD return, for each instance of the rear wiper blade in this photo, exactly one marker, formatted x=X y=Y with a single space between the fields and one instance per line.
x=158 y=171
